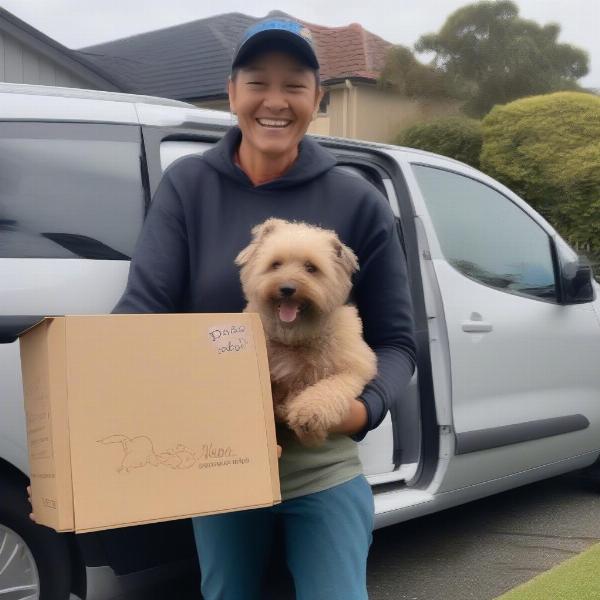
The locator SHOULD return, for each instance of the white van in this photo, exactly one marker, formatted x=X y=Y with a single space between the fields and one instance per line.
x=507 y=386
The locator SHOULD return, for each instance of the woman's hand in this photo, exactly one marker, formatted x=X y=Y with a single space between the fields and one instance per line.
x=31 y=516
x=279 y=451
x=355 y=420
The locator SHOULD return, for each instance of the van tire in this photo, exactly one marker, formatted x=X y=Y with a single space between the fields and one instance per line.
x=50 y=550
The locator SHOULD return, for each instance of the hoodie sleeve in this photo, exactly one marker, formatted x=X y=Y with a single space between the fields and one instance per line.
x=382 y=295
x=159 y=265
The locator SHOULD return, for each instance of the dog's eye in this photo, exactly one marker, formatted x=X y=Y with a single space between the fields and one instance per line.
x=310 y=267
x=275 y=264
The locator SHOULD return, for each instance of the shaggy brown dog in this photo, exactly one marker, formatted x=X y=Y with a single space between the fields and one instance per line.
x=297 y=276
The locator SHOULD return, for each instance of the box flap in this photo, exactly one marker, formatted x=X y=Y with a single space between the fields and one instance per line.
x=45 y=318
x=43 y=355
x=33 y=325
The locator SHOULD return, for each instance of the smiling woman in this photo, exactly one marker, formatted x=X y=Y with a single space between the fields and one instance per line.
x=204 y=213
x=274 y=89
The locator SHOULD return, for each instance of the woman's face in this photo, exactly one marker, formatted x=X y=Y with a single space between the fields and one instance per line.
x=274 y=96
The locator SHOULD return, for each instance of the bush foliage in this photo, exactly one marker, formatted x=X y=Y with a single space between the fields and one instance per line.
x=456 y=137
x=547 y=149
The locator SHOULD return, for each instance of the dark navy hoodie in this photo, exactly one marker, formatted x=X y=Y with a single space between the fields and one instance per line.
x=201 y=216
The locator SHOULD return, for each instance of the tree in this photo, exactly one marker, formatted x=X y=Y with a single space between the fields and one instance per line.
x=411 y=78
x=494 y=56
x=547 y=149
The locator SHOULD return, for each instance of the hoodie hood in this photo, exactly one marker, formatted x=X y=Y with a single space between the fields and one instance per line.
x=313 y=160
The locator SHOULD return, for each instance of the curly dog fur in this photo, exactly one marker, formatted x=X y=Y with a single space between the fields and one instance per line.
x=297 y=276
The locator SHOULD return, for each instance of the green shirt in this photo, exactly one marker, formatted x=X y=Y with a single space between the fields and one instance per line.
x=304 y=470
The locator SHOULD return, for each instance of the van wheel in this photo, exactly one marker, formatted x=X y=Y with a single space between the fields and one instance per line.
x=34 y=560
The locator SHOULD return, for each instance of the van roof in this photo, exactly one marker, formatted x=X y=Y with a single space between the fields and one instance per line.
x=71 y=92
x=26 y=101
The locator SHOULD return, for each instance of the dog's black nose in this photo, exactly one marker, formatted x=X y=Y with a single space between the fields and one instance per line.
x=287 y=290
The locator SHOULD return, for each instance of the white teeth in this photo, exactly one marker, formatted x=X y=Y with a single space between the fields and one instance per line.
x=273 y=122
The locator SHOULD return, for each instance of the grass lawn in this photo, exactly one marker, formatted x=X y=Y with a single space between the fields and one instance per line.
x=575 y=579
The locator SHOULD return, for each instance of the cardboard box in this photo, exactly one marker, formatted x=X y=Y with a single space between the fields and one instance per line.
x=137 y=419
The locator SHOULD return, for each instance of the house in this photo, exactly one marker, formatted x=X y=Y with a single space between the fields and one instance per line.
x=29 y=56
x=191 y=62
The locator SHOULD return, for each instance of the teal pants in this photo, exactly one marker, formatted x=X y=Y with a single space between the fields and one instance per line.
x=327 y=536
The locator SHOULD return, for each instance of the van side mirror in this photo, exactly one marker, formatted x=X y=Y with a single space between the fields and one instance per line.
x=575 y=274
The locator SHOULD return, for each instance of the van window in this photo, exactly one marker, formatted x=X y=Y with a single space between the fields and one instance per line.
x=171 y=150
x=70 y=190
x=486 y=236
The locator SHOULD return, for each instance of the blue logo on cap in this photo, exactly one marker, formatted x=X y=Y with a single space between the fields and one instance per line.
x=291 y=26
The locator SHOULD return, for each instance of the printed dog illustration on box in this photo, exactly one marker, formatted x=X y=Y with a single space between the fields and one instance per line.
x=139 y=452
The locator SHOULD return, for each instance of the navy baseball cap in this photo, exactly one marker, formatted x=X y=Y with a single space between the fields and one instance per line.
x=277 y=34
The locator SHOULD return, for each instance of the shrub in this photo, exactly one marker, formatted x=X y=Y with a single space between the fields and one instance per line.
x=547 y=149
x=456 y=137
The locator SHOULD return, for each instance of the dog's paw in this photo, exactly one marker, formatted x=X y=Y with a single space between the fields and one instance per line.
x=311 y=439
x=308 y=425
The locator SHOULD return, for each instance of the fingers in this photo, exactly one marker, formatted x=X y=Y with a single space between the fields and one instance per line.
x=31 y=515
x=279 y=450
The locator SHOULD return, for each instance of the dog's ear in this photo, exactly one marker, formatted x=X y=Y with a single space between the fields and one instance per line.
x=345 y=255
x=259 y=232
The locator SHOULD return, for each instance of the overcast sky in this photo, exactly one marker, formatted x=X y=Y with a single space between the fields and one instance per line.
x=78 y=23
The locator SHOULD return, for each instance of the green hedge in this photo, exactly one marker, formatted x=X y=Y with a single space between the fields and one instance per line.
x=456 y=137
x=547 y=149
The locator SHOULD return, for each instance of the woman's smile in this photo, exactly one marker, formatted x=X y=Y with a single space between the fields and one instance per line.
x=273 y=123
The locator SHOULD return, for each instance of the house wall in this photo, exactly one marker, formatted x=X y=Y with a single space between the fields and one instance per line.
x=368 y=113
x=381 y=115
x=342 y=107
x=320 y=126
x=20 y=64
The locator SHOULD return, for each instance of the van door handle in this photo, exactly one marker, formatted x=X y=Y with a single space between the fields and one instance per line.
x=477 y=326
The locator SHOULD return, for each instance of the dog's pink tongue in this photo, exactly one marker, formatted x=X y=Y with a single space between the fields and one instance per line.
x=288 y=312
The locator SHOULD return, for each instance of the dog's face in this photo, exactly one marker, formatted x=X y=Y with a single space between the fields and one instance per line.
x=295 y=273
